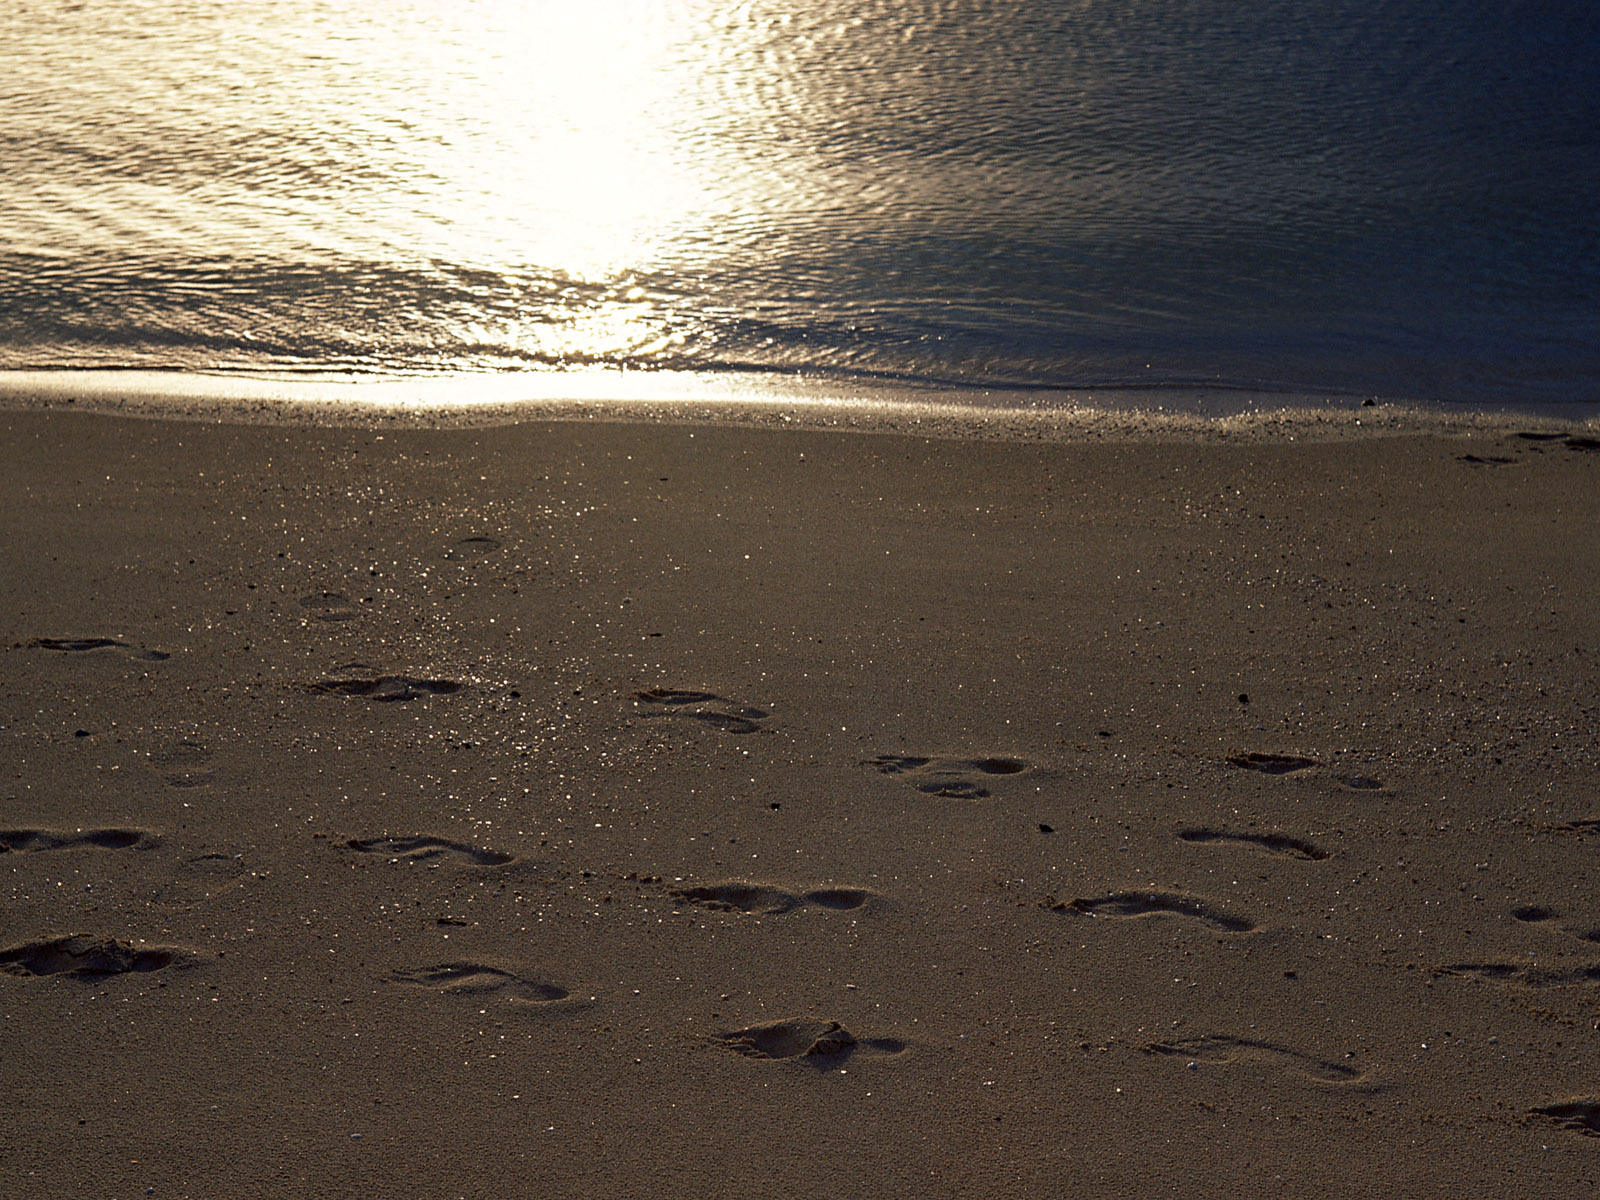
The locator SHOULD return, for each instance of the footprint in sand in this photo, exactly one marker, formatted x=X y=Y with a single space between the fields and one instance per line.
x=1146 y=904
x=85 y=956
x=741 y=896
x=957 y=778
x=1573 y=441
x=821 y=1043
x=471 y=547
x=1360 y=783
x=31 y=841
x=704 y=707
x=87 y=645
x=183 y=764
x=1533 y=914
x=204 y=878
x=1524 y=976
x=431 y=850
x=1271 y=764
x=1582 y=826
x=386 y=689
x=1538 y=914
x=1219 y=1048
x=481 y=980
x=1580 y=1115
x=1273 y=843
x=329 y=606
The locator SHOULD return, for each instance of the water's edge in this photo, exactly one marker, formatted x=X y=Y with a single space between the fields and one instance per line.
x=478 y=401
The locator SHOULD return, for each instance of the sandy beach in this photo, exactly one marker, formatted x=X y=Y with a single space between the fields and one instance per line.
x=609 y=809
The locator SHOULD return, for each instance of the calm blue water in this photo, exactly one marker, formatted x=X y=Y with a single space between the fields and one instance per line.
x=1332 y=196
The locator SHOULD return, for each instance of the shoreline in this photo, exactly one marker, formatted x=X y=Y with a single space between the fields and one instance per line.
x=599 y=808
x=1062 y=415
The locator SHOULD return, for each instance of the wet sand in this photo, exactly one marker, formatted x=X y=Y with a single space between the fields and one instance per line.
x=602 y=809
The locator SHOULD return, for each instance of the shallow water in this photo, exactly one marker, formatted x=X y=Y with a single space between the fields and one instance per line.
x=1318 y=196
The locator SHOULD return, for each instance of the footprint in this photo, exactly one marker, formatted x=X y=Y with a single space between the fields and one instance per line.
x=429 y=850
x=1518 y=975
x=29 y=841
x=1271 y=764
x=1487 y=972
x=1581 y=826
x=1555 y=977
x=740 y=896
x=182 y=764
x=84 y=956
x=384 y=688
x=1272 y=843
x=471 y=547
x=329 y=606
x=1360 y=783
x=674 y=696
x=697 y=706
x=477 y=979
x=1219 y=1048
x=1580 y=1115
x=1533 y=913
x=825 y=1043
x=1144 y=904
x=958 y=778
x=840 y=899
x=84 y=645
x=203 y=878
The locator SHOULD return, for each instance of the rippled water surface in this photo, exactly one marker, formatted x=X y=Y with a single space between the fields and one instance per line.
x=1326 y=195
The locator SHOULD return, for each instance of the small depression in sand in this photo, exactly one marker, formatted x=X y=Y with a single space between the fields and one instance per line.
x=955 y=778
x=84 y=956
x=821 y=1042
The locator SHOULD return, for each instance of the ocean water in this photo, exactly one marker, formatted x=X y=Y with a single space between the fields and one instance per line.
x=1329 y=197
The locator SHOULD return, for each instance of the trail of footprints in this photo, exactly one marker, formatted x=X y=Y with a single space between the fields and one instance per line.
x=813 y=1041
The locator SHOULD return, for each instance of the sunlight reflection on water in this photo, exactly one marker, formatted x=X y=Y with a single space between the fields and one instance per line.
x=1304 y=194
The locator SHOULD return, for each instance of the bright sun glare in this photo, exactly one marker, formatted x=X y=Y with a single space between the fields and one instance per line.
x=576 y=165
x=573 y=164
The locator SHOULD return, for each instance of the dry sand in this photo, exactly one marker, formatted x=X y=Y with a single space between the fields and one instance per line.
x=602 y=810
